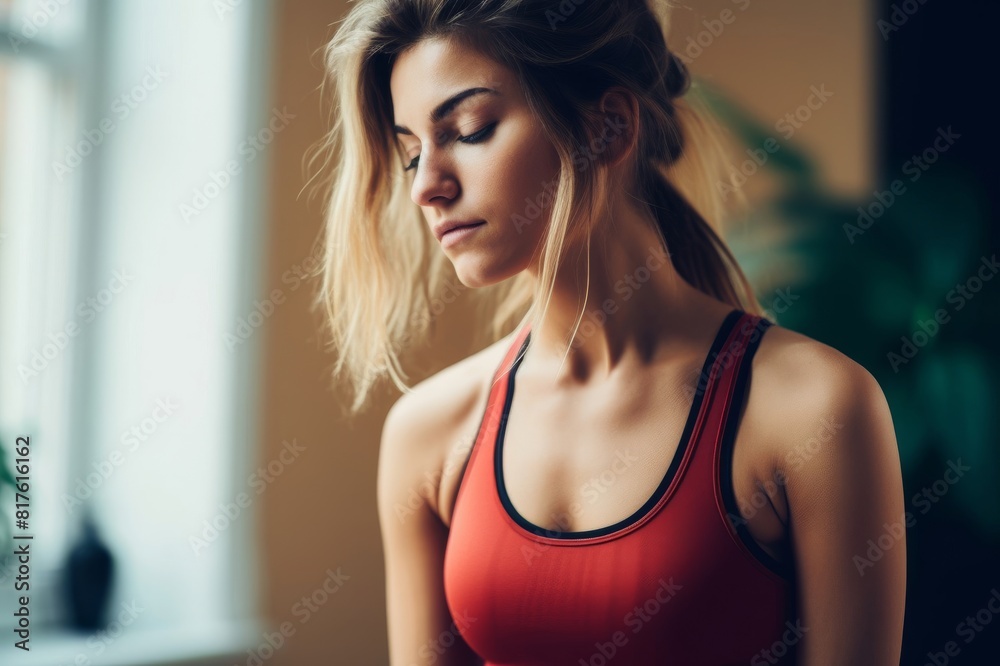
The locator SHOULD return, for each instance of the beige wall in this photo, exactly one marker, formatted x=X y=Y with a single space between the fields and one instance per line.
x=769 y=55
x=320 y=513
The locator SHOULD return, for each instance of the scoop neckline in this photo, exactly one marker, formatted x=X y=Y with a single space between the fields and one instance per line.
x=666 y=481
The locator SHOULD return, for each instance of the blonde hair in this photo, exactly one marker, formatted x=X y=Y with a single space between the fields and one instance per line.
x=379 y=271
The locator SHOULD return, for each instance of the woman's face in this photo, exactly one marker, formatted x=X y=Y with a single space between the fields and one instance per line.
x=483 y=158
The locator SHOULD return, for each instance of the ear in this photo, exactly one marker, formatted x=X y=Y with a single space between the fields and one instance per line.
x=616 y=137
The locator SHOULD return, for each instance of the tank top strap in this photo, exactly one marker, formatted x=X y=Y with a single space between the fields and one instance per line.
x=493 y=412
x=516 y=348
x=727 y=371
x=715 y=384
x=715 y=470
x=736 y=360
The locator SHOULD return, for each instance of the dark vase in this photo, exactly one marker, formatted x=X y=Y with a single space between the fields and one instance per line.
x=88 y=574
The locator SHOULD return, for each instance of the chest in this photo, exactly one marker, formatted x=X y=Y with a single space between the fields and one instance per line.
x=575 y=463
x=587 y=464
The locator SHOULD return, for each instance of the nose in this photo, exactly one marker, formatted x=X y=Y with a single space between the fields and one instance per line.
x=435 y=183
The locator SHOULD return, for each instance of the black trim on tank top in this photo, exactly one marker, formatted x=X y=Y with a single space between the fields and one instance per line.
x=720 y=338
x=726 y=456
x=465 y=465
x=475 y=441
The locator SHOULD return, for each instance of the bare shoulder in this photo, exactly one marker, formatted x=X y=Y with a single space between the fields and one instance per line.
x=826 y=421
x=816 y=408
x=804 y=377
x=805 y=372
x=434 y=424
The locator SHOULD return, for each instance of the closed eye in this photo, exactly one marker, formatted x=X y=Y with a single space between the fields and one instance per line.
x=478 y=137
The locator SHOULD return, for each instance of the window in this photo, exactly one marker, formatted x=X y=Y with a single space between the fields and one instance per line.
x=128 y=250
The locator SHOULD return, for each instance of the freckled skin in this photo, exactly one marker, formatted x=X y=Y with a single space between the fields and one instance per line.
x=489 y=180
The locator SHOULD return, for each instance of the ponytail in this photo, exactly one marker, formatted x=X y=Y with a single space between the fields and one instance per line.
x=682 y=193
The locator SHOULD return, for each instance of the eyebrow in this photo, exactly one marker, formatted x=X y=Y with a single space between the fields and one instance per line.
x=445 y=108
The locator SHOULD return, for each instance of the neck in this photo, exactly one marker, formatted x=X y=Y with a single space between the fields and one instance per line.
x=635 y=303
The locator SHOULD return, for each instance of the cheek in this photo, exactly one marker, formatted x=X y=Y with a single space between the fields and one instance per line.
x=528 y=179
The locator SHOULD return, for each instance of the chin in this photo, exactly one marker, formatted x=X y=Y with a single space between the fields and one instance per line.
x=474 y=279
x=477 y=274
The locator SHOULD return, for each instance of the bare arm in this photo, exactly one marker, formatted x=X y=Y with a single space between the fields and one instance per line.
x=846 y=506
x=421 y=629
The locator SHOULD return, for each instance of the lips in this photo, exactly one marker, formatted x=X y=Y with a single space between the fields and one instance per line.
x=450 y=225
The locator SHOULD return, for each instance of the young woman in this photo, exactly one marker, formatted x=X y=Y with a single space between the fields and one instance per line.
x=638 y=498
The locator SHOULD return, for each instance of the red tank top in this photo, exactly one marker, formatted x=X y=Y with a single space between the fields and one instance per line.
x=680 y=581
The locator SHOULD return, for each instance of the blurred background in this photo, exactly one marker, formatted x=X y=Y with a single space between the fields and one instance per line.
x=184 y=449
